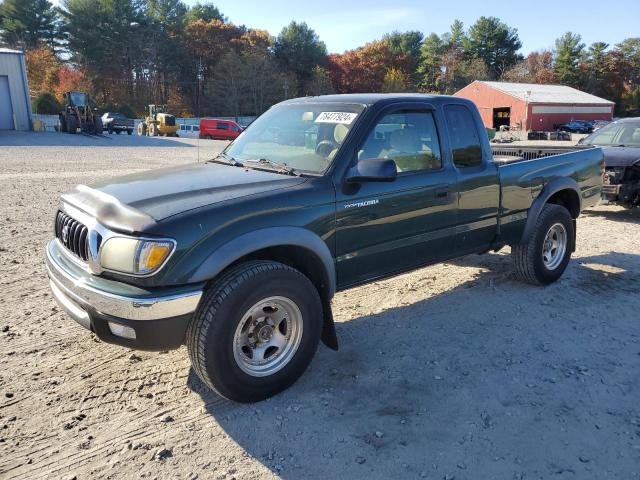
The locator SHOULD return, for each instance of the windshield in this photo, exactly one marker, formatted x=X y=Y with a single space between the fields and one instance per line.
x=304 y=137
x=78 y=99
x=617 y=133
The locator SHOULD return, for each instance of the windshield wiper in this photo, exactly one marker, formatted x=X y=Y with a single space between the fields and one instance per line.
x=228 y=160
x=280 y=167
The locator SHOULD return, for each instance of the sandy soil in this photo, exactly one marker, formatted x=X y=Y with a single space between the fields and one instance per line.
x=452 y=371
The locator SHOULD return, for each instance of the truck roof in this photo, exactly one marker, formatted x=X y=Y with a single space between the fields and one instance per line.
x=375 y=98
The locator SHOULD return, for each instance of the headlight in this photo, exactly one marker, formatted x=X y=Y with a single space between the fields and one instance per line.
x=137 y=257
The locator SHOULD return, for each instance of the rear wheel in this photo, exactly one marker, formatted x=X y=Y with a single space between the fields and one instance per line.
x=98 y=128
x=153 y=130
x=142 y=129
x=545 y=256
x=255 y=331
x=129 y=131
x=63 y=125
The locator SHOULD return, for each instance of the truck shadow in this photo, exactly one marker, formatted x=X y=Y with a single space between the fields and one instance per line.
x=623 y=215
x=449 y=381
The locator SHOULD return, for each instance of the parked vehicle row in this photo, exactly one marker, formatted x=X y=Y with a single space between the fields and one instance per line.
x=575 y=126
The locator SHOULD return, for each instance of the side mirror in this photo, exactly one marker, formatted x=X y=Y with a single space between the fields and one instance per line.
x=373 y=170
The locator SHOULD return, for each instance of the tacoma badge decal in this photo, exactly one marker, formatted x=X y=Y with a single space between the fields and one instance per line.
x=361 y=204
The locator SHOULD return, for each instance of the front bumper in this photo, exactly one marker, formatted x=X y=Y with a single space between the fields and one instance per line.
x=159 y=317
x=611 y=192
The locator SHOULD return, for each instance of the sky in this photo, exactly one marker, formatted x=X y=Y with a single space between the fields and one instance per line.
x=347 y=24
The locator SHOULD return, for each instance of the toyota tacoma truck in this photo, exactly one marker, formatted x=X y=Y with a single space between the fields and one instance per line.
x=239 y=257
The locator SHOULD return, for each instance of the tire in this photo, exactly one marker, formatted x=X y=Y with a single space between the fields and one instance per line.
x=98 y=128
x=142 y=131
x=72 y=125
x=63 y=125
x=227 y=313
x=110 y=129
x=129 y=131
x=538 y=265
x=153 y=130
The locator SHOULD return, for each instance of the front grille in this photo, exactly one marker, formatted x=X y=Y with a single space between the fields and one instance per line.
x=73 y=235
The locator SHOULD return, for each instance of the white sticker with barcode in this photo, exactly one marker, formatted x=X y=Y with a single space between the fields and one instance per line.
x=336 y=117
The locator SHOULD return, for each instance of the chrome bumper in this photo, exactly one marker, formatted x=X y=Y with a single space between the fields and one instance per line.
x=611 y=190
x=79 y=293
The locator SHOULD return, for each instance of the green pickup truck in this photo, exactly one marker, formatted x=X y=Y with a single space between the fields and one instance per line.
x=239 y=257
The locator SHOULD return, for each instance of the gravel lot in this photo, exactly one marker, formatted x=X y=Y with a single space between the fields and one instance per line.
x=452 y=371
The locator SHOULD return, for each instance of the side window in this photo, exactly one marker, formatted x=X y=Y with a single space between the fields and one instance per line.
x=196 y=128
x=465 y=142
x=223 y=126
x=407 y=137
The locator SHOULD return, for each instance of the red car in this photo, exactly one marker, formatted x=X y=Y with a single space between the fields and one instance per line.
x=212 y=128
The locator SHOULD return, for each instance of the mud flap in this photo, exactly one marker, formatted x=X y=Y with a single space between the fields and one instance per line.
x=329 y=336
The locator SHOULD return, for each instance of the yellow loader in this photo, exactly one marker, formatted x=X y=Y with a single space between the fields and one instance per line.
x=158 y=122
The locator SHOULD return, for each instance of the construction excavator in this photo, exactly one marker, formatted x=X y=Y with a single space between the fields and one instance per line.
x=78 y=114
x=158 y=122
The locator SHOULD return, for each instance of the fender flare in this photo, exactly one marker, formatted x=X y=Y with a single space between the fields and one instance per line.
x=256 y=240
x=541 y=200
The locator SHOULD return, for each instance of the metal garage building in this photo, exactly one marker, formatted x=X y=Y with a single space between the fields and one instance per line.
x=15 y=104
x=530 y=106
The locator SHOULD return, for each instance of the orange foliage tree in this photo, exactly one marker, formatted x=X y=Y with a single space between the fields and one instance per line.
x=70 y=79
x=364 y=69
x=42 y=70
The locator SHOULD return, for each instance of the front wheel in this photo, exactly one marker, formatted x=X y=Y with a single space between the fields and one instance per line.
x=255 y=331
x=545 y=256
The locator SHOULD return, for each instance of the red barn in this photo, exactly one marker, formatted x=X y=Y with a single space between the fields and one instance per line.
x=530 y=106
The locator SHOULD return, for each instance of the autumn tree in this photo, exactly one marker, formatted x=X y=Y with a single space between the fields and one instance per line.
x=72 y=79
x=536 y=68
x=42 y=70
x=396 y=81
x=406 y=46
x=298 y=50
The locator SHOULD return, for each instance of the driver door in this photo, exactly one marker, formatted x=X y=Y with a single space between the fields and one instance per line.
x=384 y=228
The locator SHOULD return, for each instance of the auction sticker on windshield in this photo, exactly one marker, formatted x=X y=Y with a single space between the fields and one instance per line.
x=336 y=117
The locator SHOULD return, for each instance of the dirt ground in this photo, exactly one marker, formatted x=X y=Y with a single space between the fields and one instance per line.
x=452 y=371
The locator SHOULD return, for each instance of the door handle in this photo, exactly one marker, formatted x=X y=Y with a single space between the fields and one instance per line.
x=442 y=192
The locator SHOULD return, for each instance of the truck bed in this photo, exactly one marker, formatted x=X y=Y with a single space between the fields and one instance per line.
x=524 y=172
x=508 y=154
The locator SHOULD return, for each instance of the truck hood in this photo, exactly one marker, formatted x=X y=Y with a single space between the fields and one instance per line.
x=133 y=203
x=620 y=156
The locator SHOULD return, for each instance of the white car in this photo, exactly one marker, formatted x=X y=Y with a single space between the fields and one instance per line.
x=189 y=131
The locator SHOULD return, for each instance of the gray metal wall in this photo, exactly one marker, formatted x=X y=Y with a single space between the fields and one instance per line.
x=13 y=66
